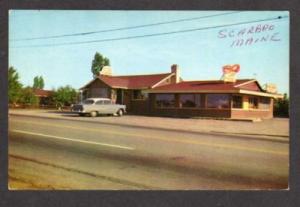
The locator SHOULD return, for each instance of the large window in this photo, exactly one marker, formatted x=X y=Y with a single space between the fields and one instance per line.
x=218 y=101
x=99 y=92
x=189 y=100
x=264 y=103
x=253 y=102
x=237 y=102
x=165 y=100
x=139 y=94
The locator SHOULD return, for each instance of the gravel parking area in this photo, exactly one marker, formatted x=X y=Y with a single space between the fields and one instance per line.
x=277 y=127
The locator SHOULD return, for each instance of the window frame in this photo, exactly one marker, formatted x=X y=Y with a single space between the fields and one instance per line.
x=206 y=101
x=250 y=104
x=261 y=103
x=172 y=106
x=194 y=95
x=144 y=97
x=242 y=103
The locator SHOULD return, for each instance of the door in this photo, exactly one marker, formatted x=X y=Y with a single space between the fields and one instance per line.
x=120 y=96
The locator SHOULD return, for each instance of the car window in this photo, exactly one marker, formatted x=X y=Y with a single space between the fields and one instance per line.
x=99 y=102
x=107 y=102
x=88 y=102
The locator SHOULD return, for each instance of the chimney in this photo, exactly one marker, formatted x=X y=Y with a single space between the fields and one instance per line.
x=106 y=70
x=176 y=71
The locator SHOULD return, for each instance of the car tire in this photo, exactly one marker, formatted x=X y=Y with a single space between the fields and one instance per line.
x=93 y=113
x=120 y=112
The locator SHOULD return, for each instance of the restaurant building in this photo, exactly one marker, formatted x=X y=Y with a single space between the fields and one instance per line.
x=168 y=95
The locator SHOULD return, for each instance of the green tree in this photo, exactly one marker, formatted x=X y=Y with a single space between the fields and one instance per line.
x=42 y=82
x=38 y=82
x=14 y=86
x=65 y=96
x=98 y=63
x=281 y=107
x=28 y=97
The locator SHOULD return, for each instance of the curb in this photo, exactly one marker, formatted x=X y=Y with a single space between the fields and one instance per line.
x=272 y=138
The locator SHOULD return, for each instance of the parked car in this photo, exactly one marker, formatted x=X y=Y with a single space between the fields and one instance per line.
x=96 y=106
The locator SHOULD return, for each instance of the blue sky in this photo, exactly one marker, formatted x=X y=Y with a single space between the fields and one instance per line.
x=200 y=54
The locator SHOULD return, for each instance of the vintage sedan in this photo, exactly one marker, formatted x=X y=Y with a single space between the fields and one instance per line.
x=96 y=106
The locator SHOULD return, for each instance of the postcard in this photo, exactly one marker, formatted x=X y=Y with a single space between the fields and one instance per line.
x=148 y=100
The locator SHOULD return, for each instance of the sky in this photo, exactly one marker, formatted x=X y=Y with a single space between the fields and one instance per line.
x=256 y=40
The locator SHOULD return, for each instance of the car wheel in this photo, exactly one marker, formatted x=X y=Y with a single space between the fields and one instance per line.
x=120 y=112
x=93 y=113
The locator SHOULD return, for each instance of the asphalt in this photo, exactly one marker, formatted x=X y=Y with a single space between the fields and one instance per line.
x=63 y=154
x=274 y=129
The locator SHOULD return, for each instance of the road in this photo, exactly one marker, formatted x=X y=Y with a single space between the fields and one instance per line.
x=62 y=154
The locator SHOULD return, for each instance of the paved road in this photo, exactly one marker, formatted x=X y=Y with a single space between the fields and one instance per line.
x=60 y=154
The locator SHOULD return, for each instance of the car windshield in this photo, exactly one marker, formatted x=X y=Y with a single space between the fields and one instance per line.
x=88 y=102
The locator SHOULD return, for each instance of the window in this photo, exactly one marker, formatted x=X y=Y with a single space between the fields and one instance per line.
x=165 y=100
x=106 y=102
x=99 y=92
x=88 y=102
x=99 y=102
x=190 y=100
x=218 y=101
x=253 y=102
x=264 y=103
x=139 y=94
x=103 y=102
x=237 y=102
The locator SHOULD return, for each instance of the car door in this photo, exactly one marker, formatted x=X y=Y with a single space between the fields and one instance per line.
x=99 y=106
x=109 y=107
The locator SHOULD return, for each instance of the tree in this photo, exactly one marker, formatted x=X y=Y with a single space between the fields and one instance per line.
x=42 y=82
x=14 y=86
x=38 y=82
x=98 y=63
x=281 y=107
x=28 y=97
x=65 y=96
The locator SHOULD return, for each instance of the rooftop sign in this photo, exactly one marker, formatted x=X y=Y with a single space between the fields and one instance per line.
x=229 y=72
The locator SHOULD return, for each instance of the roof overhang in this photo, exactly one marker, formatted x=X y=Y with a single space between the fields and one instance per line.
x=124 y=87
x=237 y=91
x=257 y=93
x=192 y=91
x=86 y=85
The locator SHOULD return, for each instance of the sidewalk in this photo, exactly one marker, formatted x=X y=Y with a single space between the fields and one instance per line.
x=277 y=127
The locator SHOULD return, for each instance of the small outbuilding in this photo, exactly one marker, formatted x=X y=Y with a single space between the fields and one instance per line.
x=44 y=96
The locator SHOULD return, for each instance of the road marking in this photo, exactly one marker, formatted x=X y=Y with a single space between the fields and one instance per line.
x=208 y=144
x=74 y=140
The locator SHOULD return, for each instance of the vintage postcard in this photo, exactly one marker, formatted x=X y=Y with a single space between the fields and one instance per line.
x=148 y=100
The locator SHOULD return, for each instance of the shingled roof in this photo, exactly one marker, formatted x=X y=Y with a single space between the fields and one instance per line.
x=132 y=81
x=245 y=86
x=209 y=85
x=42 y=92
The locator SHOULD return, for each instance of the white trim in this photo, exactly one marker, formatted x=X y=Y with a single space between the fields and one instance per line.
x=261 y=94
x=194 y=91
x=245 y=83
x=237 y=109
x=153 y=86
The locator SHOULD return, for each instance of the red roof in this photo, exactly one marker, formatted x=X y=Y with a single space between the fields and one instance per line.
x=133 y=81
x=43 y=93
x=210 y=85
